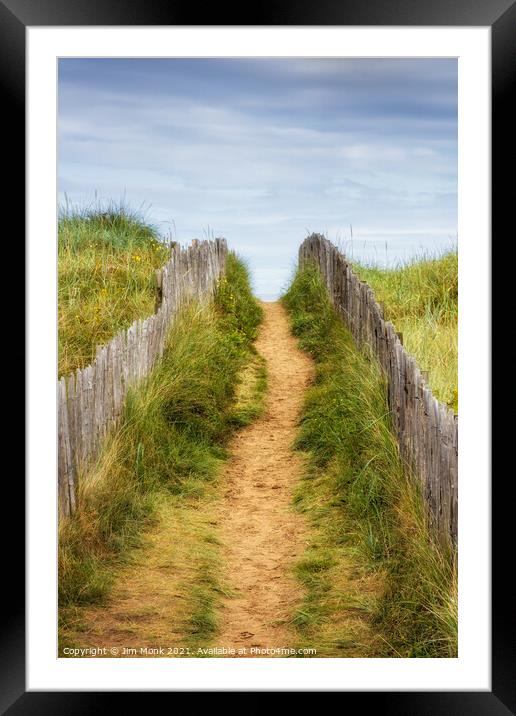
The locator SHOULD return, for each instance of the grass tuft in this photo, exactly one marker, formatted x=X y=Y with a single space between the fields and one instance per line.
x=371 y=554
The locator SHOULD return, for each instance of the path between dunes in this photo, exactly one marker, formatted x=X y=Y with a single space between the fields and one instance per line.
x=262 y=535
x=249 y=510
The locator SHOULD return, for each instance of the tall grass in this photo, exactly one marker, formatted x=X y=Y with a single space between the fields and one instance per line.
x=364 y=510
x=107 y=256
x=421 y=300
x=171 y=439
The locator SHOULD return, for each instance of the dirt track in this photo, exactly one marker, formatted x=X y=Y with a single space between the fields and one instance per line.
x=262 y=535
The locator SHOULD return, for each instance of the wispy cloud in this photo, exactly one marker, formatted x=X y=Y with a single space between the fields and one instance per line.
x=262 y=150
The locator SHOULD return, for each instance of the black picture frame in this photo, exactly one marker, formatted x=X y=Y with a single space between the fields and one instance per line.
x=500 y=15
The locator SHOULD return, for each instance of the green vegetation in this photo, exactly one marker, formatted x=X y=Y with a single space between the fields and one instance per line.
x=371 y=559
x=107 y=258
x=421 y=300
x=169 y=447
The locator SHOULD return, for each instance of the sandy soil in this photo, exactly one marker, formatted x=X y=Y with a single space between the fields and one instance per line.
x=262 y=535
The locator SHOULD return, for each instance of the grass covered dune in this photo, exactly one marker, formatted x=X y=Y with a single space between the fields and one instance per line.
x=363 y=509
x=421 y=300
x=107 y=258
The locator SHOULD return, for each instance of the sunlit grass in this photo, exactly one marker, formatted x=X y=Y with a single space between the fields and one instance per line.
x=107 y=257
x=421 y=300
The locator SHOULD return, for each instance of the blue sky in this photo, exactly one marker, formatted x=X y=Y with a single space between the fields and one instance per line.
x=262 y=151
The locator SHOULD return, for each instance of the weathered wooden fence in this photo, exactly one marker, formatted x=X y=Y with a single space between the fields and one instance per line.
x=90 y=400
x=427 y=430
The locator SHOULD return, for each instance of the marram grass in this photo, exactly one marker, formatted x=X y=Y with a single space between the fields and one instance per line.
x=421 y=300
x=107 y=257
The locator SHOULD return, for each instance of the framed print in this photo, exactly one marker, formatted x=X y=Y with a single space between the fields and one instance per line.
x=273 y=243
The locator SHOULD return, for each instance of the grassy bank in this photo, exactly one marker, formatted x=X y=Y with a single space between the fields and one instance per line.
x=166 y=454
x=421 y=300
x=107 y=257
x=370 y=559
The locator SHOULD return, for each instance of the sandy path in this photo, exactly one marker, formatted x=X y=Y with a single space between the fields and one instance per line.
x=261 y=533
x=262 y=536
